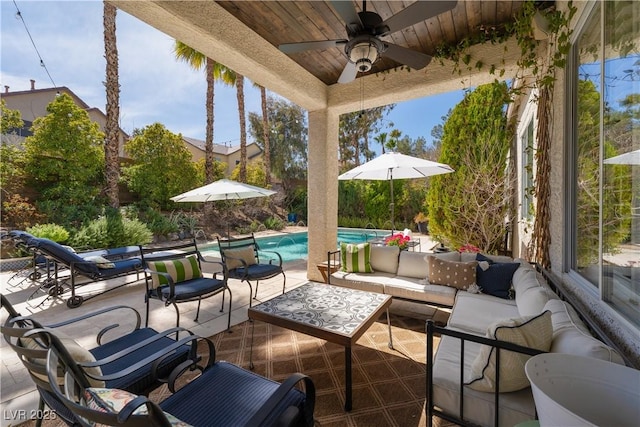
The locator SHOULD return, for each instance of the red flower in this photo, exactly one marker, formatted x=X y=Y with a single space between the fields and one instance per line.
x=399 y=240
x=469 y=248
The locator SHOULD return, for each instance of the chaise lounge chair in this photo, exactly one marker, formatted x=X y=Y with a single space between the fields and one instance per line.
x=94 y=270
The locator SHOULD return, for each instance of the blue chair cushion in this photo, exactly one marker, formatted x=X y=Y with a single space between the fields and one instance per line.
x=141 y=380
x=189 y=289
x=121 y=267
x=256 y=272
x=232 y=395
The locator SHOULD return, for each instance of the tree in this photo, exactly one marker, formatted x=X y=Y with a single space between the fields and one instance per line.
x=111 y=128
x=288 y=136
x=162 y=166
x=472 y=204
x=243 y=127
x=10 y=120
x=64 y=160
x=265 y=135
x=355 y=132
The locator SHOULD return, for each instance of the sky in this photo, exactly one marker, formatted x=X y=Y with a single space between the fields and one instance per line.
x=154 y=86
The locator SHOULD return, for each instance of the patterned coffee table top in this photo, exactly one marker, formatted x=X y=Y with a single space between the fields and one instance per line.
x=333 y=308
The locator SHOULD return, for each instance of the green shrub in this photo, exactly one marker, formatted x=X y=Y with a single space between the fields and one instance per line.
x=161 y=225
x=54 y=232
x=98 y=234
x=274 y=223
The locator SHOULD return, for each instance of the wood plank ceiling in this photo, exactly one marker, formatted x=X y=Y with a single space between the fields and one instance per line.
x=281 y=22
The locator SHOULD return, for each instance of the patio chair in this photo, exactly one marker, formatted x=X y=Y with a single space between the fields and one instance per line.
x=223 y=395
x=93 y=270
x=175 y=275
x=241 y=256
x=137 y=360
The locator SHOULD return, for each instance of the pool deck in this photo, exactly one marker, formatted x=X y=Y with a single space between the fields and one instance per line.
x=17 y=391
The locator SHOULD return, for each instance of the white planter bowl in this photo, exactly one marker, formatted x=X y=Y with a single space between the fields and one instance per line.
x=580 y=391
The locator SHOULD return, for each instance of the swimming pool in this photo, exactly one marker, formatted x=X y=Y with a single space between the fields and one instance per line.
x=294 y=246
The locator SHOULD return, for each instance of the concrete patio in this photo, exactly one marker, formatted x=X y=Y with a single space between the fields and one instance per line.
x=17 y=390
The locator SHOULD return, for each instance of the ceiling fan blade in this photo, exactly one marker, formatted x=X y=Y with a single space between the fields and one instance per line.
x=349 y=73
x=414 y=59
x=414 y=13
x=347 y=12
x=302 y=46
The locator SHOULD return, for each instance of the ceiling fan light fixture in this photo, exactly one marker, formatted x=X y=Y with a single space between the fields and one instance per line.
x=363 y=54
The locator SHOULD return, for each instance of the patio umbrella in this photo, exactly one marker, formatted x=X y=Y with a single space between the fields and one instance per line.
x=390 y=166
x=630 y=158
x=224 y=189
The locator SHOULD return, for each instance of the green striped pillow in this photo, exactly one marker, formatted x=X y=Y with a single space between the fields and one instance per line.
x=356 y=258
x=179 y=269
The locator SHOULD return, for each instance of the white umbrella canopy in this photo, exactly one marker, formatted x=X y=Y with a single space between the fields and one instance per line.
x=390 y=166
x=630 y=158
x=224 y=189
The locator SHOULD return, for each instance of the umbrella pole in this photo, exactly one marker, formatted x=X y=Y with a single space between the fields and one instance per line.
x=393 y=225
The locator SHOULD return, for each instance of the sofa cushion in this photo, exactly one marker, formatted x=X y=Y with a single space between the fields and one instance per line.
x=496 y=278
x=459 y=275
x=413 y=264
x=448 y=256
x=419 y=290
x=479 y=407
x=384 y=258
x=356 y=258
x=535 y=332
x=474 y=313
x=571 y=336
x=531 y=301
x=524 y=278
x=371 y=282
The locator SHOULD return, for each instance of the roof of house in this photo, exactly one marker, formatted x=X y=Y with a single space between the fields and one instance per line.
x=225 y=150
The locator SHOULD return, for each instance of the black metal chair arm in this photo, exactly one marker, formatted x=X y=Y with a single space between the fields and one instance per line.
x=270 y=258
x=187 y=364
x=280 y=393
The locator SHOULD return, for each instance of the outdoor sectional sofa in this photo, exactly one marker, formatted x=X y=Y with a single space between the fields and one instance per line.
x=529 y=319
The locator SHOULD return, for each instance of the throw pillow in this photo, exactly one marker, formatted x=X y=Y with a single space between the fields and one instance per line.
x=496 y=278
x=356 y=258
x=459 y=275
x=534 y=332
x=233 y=257
x=76 y=351
x=113 y=400
x=100 y=261
x=180 y=270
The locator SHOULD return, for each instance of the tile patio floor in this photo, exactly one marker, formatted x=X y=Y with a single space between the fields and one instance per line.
x=17 y=391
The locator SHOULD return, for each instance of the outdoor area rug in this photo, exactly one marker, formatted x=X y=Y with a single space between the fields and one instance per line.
x=388 y=385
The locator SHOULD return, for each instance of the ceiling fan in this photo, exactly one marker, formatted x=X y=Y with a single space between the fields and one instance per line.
x=364 y=30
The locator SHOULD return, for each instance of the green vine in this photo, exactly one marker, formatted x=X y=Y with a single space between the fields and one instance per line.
x=522 y=29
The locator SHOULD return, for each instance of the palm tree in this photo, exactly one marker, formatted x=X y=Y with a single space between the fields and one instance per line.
x=243 y=127
x=111 y=128
x=265 y=135
x=198 y=60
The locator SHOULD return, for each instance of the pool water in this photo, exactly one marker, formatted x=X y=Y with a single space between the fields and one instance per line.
x=294 y=246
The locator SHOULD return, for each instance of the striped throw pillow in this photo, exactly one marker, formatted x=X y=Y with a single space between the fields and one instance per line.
x=356 y=258
x=179 y=269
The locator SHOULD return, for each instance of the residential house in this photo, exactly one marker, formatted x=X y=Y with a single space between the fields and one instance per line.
x=33 y=103
x=222 y=152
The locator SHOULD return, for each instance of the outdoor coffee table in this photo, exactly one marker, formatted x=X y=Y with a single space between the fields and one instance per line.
x=332 y=313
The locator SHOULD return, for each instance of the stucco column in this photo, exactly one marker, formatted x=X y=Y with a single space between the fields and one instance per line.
x=322 y=188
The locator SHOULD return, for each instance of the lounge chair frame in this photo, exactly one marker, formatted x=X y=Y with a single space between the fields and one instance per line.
x=176 y=293
x=256 y=272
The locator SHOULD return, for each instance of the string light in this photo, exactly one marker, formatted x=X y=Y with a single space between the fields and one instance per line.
x=42 y=64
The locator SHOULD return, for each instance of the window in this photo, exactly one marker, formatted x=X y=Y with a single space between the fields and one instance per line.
x=605 y=84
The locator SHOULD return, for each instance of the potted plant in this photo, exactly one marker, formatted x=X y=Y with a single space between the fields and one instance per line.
x=421 y=221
